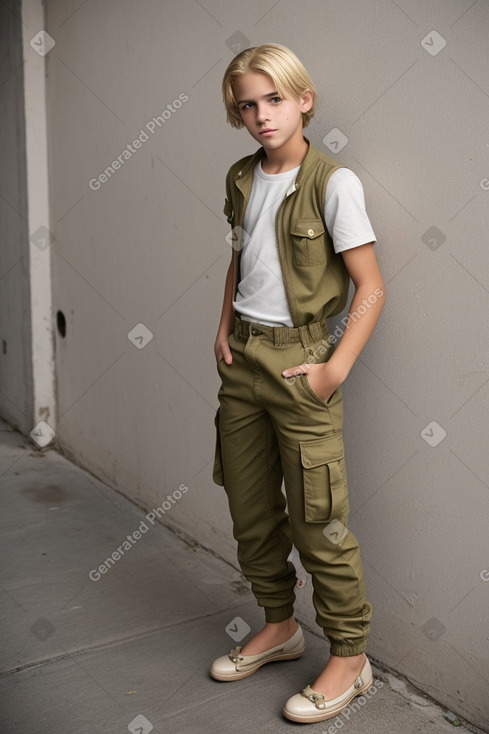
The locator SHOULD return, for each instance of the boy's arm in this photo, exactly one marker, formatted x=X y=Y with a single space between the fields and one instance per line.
x=365 y=308
x=226 y=324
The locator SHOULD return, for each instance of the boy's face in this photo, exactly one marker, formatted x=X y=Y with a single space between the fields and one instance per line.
x=269 y=118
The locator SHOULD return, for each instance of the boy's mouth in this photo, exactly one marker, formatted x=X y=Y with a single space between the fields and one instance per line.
x=267 y=131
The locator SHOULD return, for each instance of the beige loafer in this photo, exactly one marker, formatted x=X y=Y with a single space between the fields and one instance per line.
x=309 y=706
x=235 y=666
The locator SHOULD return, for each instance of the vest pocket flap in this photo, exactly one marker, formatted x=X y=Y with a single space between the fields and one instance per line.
x=321 y=451
x=309 y=228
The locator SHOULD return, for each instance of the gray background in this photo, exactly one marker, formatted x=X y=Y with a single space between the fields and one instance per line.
x=148 y=248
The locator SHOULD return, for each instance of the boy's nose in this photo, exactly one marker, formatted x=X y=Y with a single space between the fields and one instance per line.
x=261 y=114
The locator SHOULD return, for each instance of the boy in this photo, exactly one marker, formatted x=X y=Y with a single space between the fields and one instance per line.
x=293 y=211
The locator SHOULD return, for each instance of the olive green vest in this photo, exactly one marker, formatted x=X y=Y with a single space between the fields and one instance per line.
x=315 y=277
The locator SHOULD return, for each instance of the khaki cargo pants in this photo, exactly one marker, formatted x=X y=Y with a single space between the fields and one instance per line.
x=271 y=429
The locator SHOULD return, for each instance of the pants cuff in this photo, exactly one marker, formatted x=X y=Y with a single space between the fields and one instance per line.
x=279 y=614
x=347 y=648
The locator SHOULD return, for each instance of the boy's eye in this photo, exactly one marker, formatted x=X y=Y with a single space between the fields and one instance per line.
x=249 y=105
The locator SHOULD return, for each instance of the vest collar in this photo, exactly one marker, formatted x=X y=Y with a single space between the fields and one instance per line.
x=244 y=177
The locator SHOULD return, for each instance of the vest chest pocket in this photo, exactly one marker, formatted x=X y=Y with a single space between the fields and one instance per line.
x=324 y=476
x=308 y=238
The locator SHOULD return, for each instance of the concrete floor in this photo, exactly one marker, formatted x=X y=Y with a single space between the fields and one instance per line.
x=129 y=650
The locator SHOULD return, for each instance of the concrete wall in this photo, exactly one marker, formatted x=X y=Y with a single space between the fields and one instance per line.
x=27 y=375
x=15 y=347
x=145 y=251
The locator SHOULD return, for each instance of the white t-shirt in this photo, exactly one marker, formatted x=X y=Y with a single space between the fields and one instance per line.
x=261 y=292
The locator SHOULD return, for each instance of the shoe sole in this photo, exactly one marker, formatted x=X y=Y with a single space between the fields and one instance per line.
x=313 y=718
x=238 y=675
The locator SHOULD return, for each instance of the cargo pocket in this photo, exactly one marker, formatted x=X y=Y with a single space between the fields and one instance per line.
x=324 y=476
x=309 y=241
x=217 y=473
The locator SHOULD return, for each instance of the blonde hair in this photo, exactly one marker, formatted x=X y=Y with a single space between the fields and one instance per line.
x=282 y=65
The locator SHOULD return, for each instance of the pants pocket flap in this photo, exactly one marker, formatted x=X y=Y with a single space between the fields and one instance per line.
x=321 y=451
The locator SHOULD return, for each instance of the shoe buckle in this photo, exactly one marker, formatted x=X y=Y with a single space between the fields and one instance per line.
x=358 y=683
x=316 y=698
x=234 y=655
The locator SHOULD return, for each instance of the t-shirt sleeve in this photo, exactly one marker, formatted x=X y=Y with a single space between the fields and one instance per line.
x=344 y=211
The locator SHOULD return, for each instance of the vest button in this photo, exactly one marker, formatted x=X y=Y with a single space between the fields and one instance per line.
x=310 y=232
x=255 y=332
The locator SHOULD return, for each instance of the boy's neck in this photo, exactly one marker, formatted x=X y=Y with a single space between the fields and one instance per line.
x=288 y=156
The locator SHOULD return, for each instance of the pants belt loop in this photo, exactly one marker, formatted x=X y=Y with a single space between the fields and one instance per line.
x=304 y=335
x=241 y=330
x=317 y=331
x=280 y=336
x=239 y=327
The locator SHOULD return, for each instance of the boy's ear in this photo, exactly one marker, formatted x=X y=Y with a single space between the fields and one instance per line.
x=307 y=100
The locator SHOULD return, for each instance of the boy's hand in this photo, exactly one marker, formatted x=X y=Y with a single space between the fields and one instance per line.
x=222 y=350
x=323 y=378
